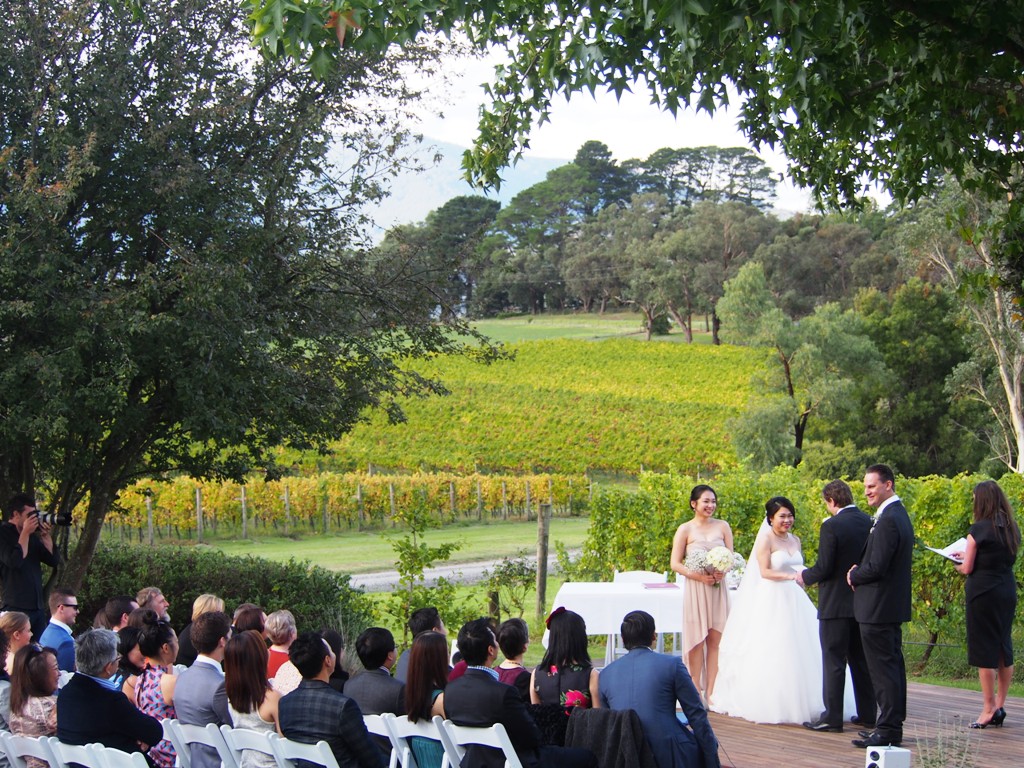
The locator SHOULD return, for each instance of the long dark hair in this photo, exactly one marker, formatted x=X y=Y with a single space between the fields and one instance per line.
x=245 y=671
x=31 y=675
x=127 y=639
x=428 y=671
x=567 y=643
x=990 y=503
x=153 y=635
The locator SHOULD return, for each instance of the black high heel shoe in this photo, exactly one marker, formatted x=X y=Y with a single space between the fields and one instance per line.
x=998 y=717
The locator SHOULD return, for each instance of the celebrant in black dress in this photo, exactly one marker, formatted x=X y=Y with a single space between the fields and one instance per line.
x=992 y=546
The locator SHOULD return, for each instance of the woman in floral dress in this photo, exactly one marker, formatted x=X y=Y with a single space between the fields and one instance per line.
x=154 y=691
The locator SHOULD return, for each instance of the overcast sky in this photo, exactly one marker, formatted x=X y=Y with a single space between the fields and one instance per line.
x=630 y=127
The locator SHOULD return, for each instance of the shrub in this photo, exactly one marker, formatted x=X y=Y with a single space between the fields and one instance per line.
x=317 y=597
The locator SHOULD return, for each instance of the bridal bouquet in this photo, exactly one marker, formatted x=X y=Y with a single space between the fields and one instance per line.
x=735 y=574
x=720 y=559
x=696 y=560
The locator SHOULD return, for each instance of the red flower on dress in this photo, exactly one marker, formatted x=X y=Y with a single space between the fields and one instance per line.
x=576 y=699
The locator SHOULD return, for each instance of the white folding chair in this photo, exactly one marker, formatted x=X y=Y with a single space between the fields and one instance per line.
x=208 y=735
x=452 y=755
x=614 y=648
x=180 y=750
x=287 y=752
x=495 y=737
x=18 y=748
x=115 y=758
x=402 y=729
x=376 y=726
x=88 y=755
x=241 y=739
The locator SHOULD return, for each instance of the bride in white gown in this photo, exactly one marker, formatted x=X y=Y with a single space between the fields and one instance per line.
x=770 y=658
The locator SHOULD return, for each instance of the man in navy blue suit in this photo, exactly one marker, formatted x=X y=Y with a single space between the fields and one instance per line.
x=650 y=684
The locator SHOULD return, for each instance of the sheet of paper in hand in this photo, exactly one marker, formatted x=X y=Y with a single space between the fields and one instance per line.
x=960 y=545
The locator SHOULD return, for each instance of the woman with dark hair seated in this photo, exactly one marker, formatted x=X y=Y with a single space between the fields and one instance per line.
x=130 y=661
x=251 y=700
x=513 y=639
x=426 y=677
x=34 y=694
x=565 y=675
x=154 y=691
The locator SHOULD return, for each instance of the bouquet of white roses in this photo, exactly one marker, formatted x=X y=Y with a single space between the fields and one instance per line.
x=735 y=574
x=720 y=559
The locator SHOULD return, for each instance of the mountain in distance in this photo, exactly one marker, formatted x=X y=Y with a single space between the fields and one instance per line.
x=414 y=195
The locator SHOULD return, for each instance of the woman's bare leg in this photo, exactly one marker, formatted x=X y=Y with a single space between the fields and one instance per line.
x=714 y=640
x=695 y=664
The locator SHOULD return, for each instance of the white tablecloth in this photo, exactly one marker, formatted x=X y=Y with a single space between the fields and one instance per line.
x=603 y=604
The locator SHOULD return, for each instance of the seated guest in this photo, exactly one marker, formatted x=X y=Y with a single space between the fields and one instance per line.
x=651 y=683
x=314 y=711
x=424 y=693
x=514 y=639
x=334 y=639
x=153 y=598
x=565 y=675
x=249 y=616
x=477 y=699
x=116 y=612
x=154 y=691
x=34 y=695
x=281 y=630
x=199 y=695
x=18 y=629
x=57 y=635
x=90 y=710
x=203 y=604
x=421 y=620
x=5 y=689
x=131 y=662
x=253 y=704
x=374 y=689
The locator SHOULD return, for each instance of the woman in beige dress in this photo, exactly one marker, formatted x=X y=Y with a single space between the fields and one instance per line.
x=706 y=605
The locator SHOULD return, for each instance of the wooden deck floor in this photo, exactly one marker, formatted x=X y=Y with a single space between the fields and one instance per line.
x=934 y=714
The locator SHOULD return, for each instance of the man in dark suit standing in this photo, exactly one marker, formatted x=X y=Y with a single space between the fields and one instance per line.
x=840 y=544
x=881 y=603
x=478 y=699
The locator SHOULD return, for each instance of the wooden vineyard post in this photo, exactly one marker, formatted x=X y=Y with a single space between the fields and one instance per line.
x=245 y=514
x=149 y=517
x=479 y=501
x=451 y=497
x=323 y=512
x=543 y=526
x=359 y=505
x=391 y=497
x=504 y=500
x=287 y=511
x=199 y=514
x=527 y=499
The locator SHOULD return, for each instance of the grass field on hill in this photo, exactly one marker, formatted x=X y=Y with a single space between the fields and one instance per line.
x=567 y=405
x=582 y=325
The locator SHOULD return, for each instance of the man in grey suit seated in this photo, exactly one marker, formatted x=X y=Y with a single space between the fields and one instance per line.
x=650 y=684
x=374 y=689
x=199 y=696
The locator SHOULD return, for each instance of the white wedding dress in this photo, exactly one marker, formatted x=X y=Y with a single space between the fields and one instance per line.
x=769 y=665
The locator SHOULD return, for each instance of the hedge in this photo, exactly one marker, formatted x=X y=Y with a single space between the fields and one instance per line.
x=317 y=597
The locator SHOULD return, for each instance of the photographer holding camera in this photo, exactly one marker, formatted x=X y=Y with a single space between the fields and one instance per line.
x=25 y=543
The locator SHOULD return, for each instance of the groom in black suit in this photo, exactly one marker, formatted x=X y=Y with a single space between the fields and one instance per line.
x=840 y=544
x=881 y=603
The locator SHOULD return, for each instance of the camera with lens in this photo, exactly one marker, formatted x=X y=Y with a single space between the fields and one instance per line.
x=53 y=518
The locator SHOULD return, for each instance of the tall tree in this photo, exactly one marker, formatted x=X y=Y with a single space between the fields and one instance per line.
x=181 y=288
x=966 y=259
x=851 y=91
x=817 y=366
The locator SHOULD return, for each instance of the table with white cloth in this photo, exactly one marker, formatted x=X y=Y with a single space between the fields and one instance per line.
x=603 y=605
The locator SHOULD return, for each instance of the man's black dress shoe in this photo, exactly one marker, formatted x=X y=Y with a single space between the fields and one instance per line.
x=876 y=740
x=821 y=725
x=864 y=734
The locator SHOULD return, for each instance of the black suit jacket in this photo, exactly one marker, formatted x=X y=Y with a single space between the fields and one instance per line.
x=477 y=699
x=376 y=692
x=840 y=544
x=882 y=578
x=87 y=712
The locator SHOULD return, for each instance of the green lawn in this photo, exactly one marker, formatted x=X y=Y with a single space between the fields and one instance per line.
x=369 y=551
x=579 y=325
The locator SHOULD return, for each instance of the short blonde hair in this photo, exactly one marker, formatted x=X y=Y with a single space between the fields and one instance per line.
x=280 y=627
x=206 y=604
x=12 y=621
